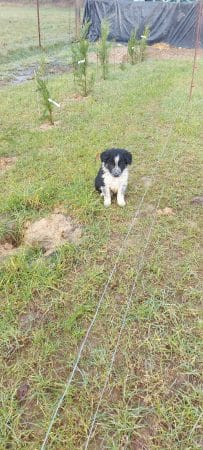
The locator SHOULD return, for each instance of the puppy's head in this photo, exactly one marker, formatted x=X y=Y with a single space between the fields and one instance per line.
x=116 y=160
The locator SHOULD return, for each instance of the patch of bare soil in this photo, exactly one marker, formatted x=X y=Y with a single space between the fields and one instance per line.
x=161 y=50
x=51 y=232
x=6 y=162
x=165 y=51
x=197 y=200
x=22 y=392
x=6 y=249
x=48 y=126
x=165 y=212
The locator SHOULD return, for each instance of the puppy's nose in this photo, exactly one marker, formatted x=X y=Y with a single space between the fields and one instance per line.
x=116 y=172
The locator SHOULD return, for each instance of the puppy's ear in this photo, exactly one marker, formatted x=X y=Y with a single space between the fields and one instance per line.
x=104 y=156
x=128 y=157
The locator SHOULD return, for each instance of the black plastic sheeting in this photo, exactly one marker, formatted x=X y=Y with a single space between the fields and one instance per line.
x=173 y=23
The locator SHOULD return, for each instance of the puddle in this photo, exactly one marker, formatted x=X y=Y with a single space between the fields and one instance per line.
x=23 y=74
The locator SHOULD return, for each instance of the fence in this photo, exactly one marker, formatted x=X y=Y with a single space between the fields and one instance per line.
x=69 y=23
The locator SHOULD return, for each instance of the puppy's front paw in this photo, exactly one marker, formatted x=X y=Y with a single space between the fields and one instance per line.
x=107 y=203
x=121 y=202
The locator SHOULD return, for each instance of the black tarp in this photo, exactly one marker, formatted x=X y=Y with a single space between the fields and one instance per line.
x=173 y=23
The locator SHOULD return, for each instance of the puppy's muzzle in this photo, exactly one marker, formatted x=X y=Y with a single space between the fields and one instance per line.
x=116 y=172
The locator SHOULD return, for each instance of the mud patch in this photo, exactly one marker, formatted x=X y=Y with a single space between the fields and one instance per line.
x=6 y=162
x=51 y=232
x=24 y=74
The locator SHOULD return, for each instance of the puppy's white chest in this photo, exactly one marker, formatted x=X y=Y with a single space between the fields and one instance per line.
x=115 y=183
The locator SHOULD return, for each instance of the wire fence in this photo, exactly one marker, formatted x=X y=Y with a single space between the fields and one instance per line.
x=51 y=36
x=104 y=294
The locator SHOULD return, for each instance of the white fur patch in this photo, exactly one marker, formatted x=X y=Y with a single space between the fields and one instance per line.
x=115 y=184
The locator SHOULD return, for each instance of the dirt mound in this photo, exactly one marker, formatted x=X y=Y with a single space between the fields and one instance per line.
x=51 y=232
x=6 y=162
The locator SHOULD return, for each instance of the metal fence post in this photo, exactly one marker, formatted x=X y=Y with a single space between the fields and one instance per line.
x=38 y=24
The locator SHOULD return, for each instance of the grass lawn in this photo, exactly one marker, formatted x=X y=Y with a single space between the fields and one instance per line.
x=19 y=36
x=152 y=399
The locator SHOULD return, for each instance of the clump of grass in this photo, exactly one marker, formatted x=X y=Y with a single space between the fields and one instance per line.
x=43 y=90
x=104 y=48
x=137 y=48
x=82 y=79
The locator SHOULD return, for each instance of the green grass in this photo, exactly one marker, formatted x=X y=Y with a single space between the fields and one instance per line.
x=153 y=398
x=19 y=36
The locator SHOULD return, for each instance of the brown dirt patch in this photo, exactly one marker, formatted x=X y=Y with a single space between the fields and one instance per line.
x=165 y=51
x=161 y=50
x=22 y=392
x=197 y=200
x=6 y=162
x=48 y=126
x=6 y=249
x=51 y=232
x=165 y=212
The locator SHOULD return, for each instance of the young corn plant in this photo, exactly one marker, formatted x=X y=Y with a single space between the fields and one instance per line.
x=44 y=93
x=82 y=79
x=104 y=49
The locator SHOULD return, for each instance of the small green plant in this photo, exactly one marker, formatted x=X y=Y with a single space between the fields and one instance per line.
x=104 y=48
x=80 y=62
x=137 y=48
x=44 y=93
x=133 y=49
x=143 y=44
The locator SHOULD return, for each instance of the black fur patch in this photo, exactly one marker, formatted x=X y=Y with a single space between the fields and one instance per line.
x=99 y=181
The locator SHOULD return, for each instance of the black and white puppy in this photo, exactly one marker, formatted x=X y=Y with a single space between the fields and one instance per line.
x=113 y=175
